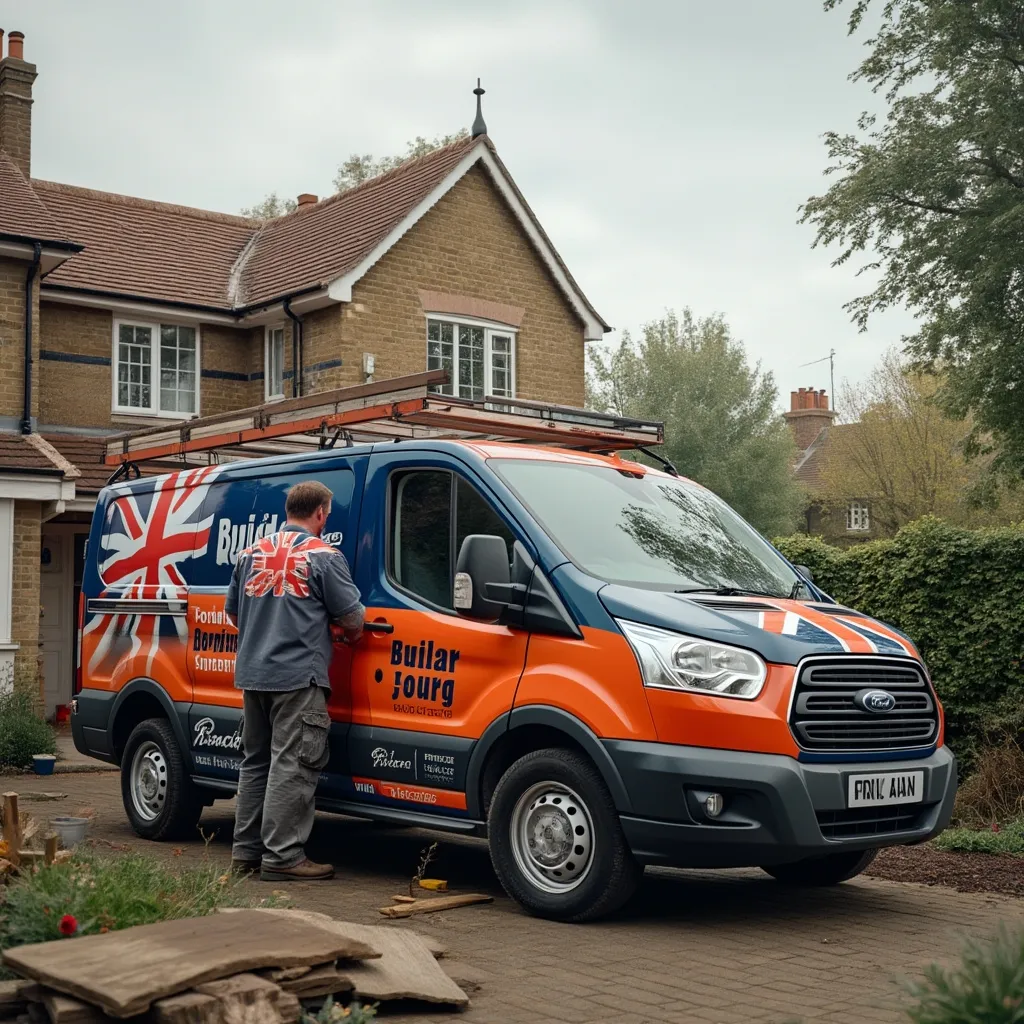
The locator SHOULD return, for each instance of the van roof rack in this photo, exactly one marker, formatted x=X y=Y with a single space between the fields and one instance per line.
x=402 y=408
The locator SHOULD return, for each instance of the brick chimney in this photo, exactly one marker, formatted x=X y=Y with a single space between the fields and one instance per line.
x=16 y=78
x=808 y=415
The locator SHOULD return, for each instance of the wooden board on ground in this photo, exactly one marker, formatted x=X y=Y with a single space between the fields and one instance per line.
x=408 y=966
x=125 y=971
x=321 y=981
x=431 y=906
x=63 y=1009
x=360 y=932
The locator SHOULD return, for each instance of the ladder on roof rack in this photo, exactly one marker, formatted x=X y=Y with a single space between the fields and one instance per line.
x=400 y=408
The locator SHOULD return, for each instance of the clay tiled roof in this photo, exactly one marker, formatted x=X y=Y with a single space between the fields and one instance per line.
x=148 y=249
x=316 y=244
x=86 y=453
x=31 y=453
x=22 y=214
x=811 y=463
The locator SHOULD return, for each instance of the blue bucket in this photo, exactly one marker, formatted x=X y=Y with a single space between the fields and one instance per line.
x=43 y=763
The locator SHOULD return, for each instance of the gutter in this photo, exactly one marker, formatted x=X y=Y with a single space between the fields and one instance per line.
x=30 y=276
x=296 y=347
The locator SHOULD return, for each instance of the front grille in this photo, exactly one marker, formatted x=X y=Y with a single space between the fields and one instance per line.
x=870 y=821
x=826 y=717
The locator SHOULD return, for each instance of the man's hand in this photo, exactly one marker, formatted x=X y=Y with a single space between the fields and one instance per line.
x=353 y=636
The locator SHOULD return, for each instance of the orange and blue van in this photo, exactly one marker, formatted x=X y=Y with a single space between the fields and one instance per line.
x=594 y=664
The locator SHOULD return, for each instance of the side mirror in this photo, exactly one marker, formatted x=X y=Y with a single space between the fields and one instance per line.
x=483 y=559
x=805 y=572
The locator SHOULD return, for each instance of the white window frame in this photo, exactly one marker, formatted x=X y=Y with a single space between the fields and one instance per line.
x=858 y=517
x=490 y=328
x=154 y=362
x=268 y=330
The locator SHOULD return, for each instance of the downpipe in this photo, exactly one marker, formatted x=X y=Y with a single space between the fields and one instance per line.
x=296 y=348
x=30 y=276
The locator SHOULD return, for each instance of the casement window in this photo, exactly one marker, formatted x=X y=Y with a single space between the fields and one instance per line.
x=156 y=369
x=479 y=358
x=858 y=517
x=273 y=363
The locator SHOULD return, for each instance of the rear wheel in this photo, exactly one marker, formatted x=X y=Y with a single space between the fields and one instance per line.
x=555 y=838
x=159 y=797
x=817 y=871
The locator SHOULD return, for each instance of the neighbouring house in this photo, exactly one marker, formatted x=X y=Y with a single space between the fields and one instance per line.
x=816 y=435
x=117 y=312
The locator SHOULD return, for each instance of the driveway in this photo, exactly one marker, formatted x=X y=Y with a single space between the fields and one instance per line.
x=723 y=947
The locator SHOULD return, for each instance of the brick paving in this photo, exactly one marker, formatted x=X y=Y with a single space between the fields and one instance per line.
x=717 y=947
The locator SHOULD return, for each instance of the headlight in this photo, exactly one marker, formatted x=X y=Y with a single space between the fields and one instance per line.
x=672 y=661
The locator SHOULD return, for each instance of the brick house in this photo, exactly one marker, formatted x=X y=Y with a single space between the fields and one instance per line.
x=816 y=435
x=131 y=312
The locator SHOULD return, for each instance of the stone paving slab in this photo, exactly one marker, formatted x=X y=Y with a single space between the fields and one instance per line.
x=695 y=946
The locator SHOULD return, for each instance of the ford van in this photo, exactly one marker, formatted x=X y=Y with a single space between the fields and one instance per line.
x=594 y=664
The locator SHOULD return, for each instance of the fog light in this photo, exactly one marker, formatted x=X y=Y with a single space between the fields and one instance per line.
x=714 y=804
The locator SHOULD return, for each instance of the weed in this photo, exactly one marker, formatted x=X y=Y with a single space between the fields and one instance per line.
x=426 y=856
x=334 y=1013
x=987 y=986
x=994 y=791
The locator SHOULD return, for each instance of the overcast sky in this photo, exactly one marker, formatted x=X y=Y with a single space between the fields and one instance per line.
x=664 y=144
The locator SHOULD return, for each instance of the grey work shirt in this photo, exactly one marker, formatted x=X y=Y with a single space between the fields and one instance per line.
x=285 y=591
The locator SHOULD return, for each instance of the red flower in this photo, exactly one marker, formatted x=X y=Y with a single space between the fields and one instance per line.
x=68 y=925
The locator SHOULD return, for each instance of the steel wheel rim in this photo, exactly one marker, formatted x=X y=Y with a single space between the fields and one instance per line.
x=552 y=837
x=148 y=781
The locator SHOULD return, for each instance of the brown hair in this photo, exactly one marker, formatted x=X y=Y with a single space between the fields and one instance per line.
x=305 y=498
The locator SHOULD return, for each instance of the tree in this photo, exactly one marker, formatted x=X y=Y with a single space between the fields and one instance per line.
x=361 y=167
x=935 y=197
x=721 y=425
x=900 y=452
x=272 y=206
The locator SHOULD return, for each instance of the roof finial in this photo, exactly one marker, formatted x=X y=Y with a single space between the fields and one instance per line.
x=479 y=128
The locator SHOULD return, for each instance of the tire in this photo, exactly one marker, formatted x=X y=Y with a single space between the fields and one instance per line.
x=581 y=871
x=159 y=797
x=818 y=871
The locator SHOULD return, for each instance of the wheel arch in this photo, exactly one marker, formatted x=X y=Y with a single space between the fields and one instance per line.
x=528 y=728
x=140 y=699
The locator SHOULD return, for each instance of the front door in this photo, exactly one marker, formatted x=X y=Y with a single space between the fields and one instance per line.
x=438 y=681
x=57 y=580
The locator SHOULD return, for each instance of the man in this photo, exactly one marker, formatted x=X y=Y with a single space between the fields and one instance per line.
x=285 y=592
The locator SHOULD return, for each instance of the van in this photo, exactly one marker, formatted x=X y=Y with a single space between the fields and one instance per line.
x=594 y=664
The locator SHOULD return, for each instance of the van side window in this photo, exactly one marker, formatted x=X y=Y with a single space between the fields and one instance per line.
x=433 y=511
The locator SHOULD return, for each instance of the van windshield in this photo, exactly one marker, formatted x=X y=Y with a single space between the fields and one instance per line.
x=648 y=531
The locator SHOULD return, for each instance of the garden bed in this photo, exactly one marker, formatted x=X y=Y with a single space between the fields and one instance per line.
x=965 y=872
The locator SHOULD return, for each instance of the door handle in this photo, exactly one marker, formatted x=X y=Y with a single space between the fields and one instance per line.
x=378 y=627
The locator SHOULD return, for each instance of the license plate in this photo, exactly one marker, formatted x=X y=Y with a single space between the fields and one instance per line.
x=882 y=788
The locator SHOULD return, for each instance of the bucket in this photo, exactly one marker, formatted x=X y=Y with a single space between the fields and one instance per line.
x=71 y=830
x=43 y=763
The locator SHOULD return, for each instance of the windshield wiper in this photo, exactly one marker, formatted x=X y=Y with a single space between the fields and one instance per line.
x=728 y=592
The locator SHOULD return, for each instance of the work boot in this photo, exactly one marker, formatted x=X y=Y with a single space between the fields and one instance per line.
x=244 y=868
x=305 y=871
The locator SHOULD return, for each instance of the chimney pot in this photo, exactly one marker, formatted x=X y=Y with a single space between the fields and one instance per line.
x=824 y=399
x=16 y=45
x=793 y=401
x=307 y=199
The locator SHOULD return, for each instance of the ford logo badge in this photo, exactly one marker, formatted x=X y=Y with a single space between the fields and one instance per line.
x=878 y=702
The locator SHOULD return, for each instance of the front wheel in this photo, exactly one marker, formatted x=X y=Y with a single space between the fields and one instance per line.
x=817 y=871
x=158 y=795
x=556 y=842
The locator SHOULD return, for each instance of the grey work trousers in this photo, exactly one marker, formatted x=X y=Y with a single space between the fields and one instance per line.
x=284 y=742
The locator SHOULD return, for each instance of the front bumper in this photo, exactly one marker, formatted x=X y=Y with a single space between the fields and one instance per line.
x=777 y=809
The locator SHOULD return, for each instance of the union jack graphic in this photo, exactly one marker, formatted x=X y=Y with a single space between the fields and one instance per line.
x=280 y=564
x=147 y=536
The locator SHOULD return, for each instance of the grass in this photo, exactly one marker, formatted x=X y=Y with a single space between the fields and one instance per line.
x=1008 y=838
x=22 y=732
x=107 y=893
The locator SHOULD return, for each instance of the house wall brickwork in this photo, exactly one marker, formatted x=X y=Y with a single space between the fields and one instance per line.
x=470 y=244
x=227 y=360
x=12 y=340
x=75 y=373
x=25 y=596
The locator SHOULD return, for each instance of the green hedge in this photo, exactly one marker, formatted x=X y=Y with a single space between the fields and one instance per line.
x=959 y=595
